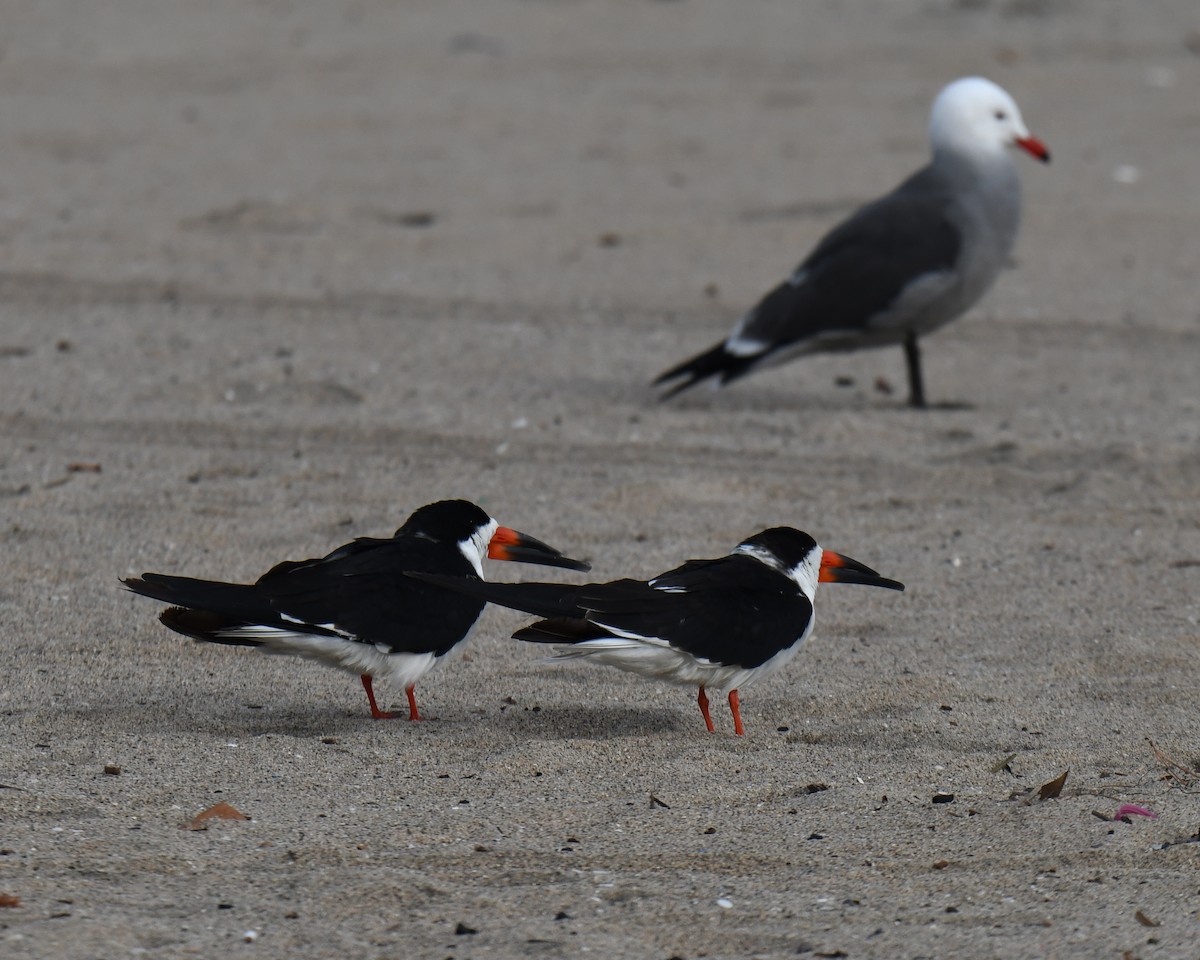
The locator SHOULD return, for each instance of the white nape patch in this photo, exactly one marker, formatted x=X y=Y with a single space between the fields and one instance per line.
x=475 y=547
x=763 y=556
x=807 y=574
x=403 y=669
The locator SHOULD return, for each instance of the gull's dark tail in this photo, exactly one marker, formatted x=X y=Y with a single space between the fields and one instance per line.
x=717 y=362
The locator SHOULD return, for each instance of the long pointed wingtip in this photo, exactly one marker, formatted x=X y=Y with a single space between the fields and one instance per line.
x=680 y=373
x=710 y=363
x=675 y=390
x=143 y=586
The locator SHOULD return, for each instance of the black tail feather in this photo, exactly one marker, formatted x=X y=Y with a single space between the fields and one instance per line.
x=539 y=599
x=206 y=626
x=234 y=603
x=717 y=362
x=561 y=630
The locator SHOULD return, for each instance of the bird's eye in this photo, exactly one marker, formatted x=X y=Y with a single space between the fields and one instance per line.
x=1001 y=115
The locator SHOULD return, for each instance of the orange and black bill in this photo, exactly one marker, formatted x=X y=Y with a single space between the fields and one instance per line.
x=508 y=544
x=836 y=568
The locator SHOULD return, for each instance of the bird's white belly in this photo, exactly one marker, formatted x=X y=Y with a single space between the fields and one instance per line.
x=658 y=661
x=402 y=669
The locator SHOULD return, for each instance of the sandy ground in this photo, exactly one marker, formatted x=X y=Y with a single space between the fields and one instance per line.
x=275 y=274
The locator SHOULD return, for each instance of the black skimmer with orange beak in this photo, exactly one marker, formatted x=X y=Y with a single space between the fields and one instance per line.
x=356 y=609
x=716 y=624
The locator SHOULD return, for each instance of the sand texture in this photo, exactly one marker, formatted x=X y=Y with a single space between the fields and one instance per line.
x=274 y=274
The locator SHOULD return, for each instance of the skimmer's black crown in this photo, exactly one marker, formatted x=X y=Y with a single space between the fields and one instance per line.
x=788 y=544
x=447 y=521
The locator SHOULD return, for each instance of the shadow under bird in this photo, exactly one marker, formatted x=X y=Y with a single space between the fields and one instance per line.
x=903 y=265
x=356 y=609
x=716 y=624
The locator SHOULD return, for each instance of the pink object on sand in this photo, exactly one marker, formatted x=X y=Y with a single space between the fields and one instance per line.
x=1132 y=810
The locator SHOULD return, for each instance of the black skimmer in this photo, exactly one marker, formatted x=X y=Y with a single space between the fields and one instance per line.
x=355 y=608
x=902 y=266
x=716 y=624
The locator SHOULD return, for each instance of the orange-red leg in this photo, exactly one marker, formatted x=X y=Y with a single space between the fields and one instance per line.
x=702 y=699
x=735 y=707
x=376 y=713
x=412 y=704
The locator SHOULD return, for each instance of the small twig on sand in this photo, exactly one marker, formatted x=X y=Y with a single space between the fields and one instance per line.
x=1184 y=776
